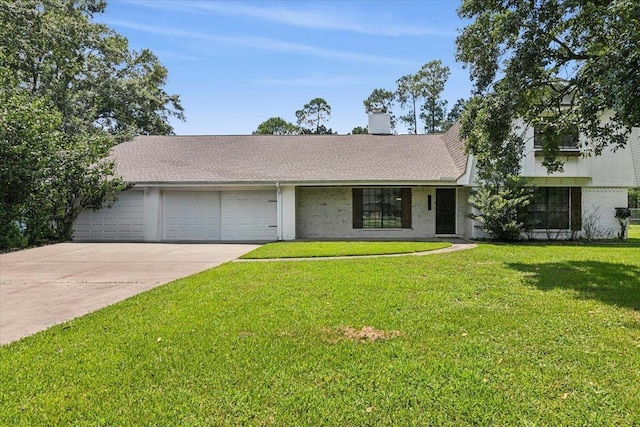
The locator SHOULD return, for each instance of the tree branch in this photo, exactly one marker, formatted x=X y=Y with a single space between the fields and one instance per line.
x=571 y=55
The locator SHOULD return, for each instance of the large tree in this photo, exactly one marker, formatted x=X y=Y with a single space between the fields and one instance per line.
x=29 y=134
x=502 y=194
x=313 y=115
x=409 y=93
x=434 y=75
x=422 y=91
x=54 y=49
x=454 y=114
x=572 y=60
x=276 y=126
x=70 y=90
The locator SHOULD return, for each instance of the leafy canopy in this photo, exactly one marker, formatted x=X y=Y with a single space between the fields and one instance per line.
x=313 y=115
x=70 y=89
x=570 y=59
x=359 y=130
x=454 y=114
x=424 y=87
x=276 y=126
x=502 y=194
x=570 y=65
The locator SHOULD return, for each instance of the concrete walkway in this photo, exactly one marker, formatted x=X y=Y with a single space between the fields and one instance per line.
x=48 y=285
x=453 y=248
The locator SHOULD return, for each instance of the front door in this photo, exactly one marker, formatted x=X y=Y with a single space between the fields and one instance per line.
x=445 y=211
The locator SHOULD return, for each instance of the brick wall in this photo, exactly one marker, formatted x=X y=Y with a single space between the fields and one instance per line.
x=326 y=213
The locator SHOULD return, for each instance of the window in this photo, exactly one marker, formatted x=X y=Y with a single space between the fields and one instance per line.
x=566 y=140
x=556 y=208
x=381 y=208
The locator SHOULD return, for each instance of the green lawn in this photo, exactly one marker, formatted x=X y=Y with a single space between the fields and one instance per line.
x=328 y=249
x=535 y=334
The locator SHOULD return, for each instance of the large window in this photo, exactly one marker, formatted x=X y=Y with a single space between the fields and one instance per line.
x=556 y=208
x=381 y=208
x=566 y=140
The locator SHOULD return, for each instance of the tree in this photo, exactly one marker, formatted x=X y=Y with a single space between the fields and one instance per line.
x=47 y=176
x=381 y=100
x=409 y=92
x=53 y=49
x=312 y=116
x=433 y=115
x=433 y=76
x=454 y=114
x=70 y=89
x=568 y=59
x=424 y=86
x=359 y=130
x=634 y=197
x=28 y=135
x=502 y=194
x=276 y=126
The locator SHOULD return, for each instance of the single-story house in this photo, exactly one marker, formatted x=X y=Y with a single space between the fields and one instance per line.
x=375 y=186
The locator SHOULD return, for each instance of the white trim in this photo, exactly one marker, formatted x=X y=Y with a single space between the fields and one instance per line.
x=279 y=211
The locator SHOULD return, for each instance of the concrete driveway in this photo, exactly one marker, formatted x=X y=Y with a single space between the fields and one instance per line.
x=48 y=285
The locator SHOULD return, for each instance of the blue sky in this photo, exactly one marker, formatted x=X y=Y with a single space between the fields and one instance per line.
x=235 y=64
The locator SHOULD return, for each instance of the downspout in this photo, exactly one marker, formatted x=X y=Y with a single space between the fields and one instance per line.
x=279 y=211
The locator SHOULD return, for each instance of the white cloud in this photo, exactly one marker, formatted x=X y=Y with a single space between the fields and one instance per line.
x=322 y=19
x=267 y=44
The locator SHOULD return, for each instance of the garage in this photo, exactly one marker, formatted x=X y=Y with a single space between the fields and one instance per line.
x=190 y=215
x=249 y=215
x=214 y=215
x=123 y=221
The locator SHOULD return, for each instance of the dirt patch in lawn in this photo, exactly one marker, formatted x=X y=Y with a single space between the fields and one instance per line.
x=366 y=334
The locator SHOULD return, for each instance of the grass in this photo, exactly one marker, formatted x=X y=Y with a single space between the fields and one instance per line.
x=331 y=249
x=544 y=334
x=634 y=232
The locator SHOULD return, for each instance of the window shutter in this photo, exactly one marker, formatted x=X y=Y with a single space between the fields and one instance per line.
x=576 y=208
x=406 y=208
x=357 y=207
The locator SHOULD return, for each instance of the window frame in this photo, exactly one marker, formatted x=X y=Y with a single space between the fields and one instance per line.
x=573 y=209
x=359 y=210
x=567 y=141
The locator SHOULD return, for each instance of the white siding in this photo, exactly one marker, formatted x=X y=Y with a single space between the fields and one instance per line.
x=121 y=222
x=601 y=202
x=464 y=226
x=287 y=213
x=634 y=145
x=190 y=215
x=610 y=169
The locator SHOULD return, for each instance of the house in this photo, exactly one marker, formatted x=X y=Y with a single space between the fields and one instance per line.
x=376 y=186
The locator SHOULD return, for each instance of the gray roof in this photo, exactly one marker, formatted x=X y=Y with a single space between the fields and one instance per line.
x=294 y=159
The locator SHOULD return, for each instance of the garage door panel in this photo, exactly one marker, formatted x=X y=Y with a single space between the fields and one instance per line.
x=191 y=215
x=122 y=221
x=249 y=215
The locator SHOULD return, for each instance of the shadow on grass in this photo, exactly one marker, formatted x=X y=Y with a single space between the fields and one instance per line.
x=612 y=283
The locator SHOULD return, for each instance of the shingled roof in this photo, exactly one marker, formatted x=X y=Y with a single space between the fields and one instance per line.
x=290 y=159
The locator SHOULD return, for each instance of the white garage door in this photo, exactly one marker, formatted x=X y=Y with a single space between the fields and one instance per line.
x=190 y=215
x=249 y=215
x=122 y=221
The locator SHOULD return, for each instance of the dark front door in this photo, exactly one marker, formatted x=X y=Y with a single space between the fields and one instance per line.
x=445 y=211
